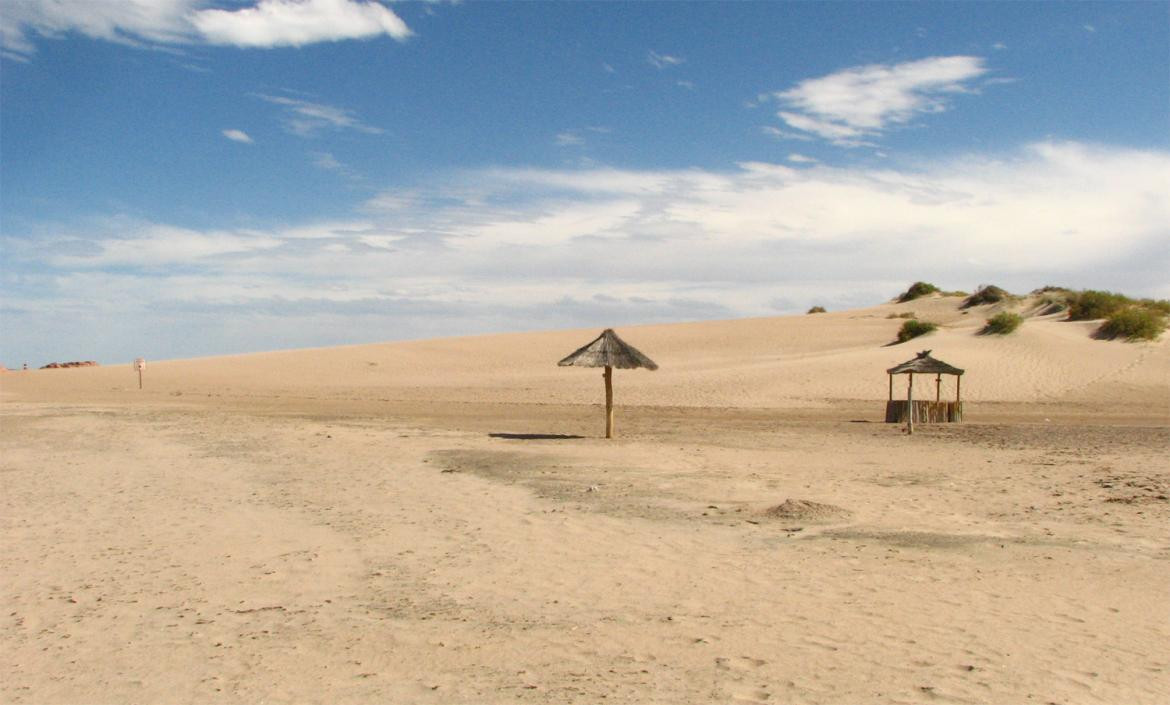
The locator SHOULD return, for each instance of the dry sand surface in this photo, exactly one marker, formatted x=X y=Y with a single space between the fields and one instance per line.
x=438 y=522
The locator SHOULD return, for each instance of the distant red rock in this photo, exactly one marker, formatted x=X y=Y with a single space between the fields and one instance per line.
x=63 y=365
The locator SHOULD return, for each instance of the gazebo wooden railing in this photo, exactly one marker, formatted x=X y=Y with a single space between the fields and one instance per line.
x=911 y=410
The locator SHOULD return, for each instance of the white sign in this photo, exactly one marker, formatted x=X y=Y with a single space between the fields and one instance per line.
x=140 y=364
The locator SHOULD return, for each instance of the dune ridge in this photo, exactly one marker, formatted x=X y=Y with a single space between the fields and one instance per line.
x=781 y=362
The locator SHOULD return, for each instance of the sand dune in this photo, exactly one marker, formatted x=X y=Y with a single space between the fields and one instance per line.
x=783 y=362
x=439 y=522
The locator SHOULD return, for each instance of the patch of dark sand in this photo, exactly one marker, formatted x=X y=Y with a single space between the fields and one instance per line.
x=808 y=512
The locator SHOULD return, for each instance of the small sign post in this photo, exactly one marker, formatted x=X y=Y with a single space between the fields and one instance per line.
x=140 y=365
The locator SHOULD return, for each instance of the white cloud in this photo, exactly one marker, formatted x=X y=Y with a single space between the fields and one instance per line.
x=864 y=101
x=663 y=61
x=779 y=134
x=273 y=23
x=265 y=24
x=156 y=245
x=689 y=85
x=801 y=159
x=237 y=136
x=515 y=248
x=569 y=138
x=305 y=118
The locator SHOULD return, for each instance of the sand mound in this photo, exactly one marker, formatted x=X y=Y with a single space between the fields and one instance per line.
x=807 y=511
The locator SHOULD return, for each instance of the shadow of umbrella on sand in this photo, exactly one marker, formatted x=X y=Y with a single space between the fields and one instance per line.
x=608 y=351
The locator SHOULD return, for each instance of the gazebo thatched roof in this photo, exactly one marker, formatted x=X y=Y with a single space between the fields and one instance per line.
x=608 y=350
x=925 y=364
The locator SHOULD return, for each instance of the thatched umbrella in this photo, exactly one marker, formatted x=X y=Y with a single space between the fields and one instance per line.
x=608 y=351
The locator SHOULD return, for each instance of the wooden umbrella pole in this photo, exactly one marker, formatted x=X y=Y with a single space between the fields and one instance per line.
x=608 y=401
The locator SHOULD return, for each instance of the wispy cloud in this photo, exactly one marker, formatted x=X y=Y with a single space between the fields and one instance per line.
x=569 y=138
x=262 y=24
x=237 y=136
x=516 y=248
x=325 y=160
x=851 y=106
x=576 y=137
x=800 y=159
x=663 y=61
x=305 y=118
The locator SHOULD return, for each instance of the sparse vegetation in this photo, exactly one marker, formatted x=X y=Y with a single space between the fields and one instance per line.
x=917 y=290
x=914 y=328
x=1002 y=324
x=904 y=314
x=1161 y=306
x=1133 y=323
x=817 y=309
x=1090 y=304
x=1051 y=306
x=990 y=294
x=1143 y=319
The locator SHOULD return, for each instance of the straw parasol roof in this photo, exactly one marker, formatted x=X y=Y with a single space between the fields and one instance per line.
x=924 y=363
x=608 y=350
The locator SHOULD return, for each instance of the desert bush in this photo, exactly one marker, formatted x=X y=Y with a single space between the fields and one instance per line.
x=914 y=328
x=1161 y=306
x=917 y=290
x=1002 y=323
x=1133 y=323
x=904 y=314
x=1090 y=304
x=990 y=294
x=817 y=309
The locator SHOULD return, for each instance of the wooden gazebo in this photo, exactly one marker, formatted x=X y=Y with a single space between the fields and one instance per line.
x=924 y=411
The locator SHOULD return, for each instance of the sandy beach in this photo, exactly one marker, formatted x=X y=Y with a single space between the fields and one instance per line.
x=441 y=521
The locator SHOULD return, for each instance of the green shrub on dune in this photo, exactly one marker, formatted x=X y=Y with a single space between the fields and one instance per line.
x=1133 y=323
x=817 y=309
x=917 y=290
x=990 y=294
x=1161 y=306
x=1002 y=324
x=1090 y=304
x=914 y=328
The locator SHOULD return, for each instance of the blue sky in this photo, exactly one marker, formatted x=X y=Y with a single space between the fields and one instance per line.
x=185 y=177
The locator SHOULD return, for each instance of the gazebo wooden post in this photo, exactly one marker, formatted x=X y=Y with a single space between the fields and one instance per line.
x=608 y=374
x=910 y=406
